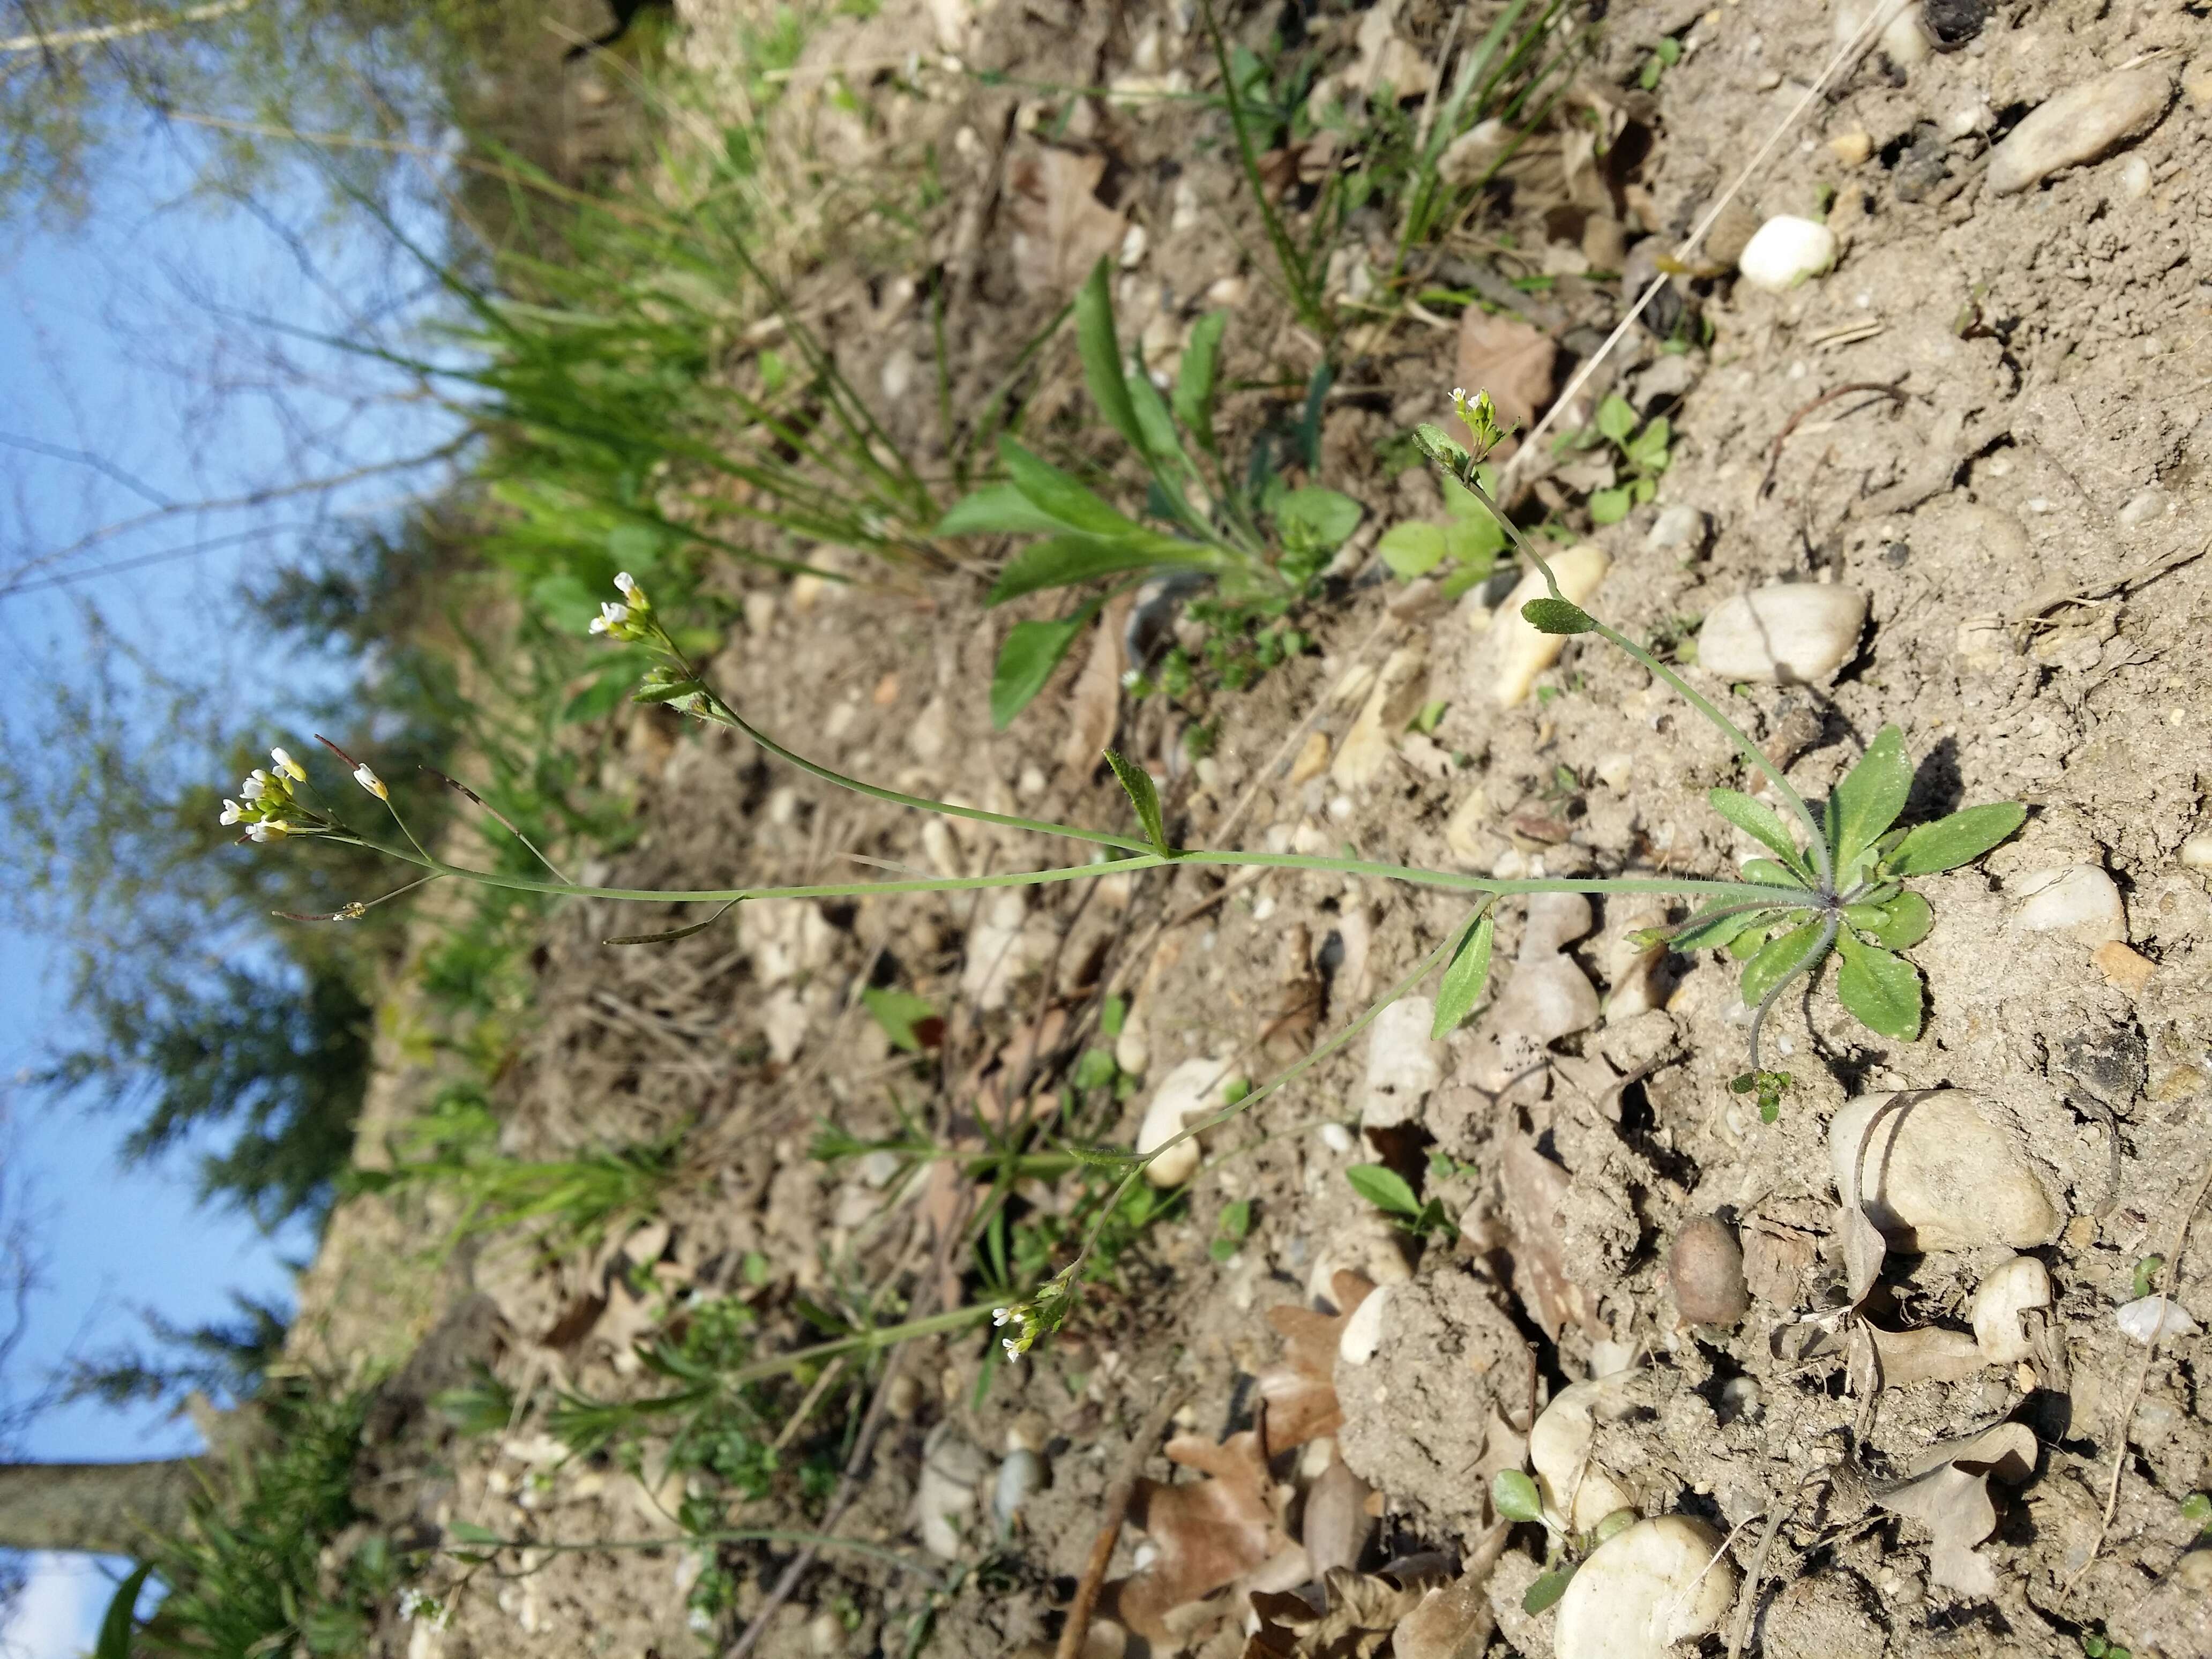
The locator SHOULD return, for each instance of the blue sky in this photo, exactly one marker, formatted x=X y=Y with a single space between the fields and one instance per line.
x=138 y=374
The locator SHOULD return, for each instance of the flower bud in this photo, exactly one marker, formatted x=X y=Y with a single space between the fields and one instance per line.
x=368 y=781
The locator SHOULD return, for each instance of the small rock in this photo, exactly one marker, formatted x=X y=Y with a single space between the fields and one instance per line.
x=2197 y=82
x=1645 y=1589
x=1403 y=1065
x=825 y=1635
x=1676 y=526
x=2135 y=185
x=1793 y=633
x=2080 y=124
x=2145 y=505
x=1705 y=1268
x=1940 y=1171
x=2196 y=853
x=1560 y=1446
x=2078 y=899
x=1546 y=999
x=1312 y=760
x=1465 y=841
x=1395 y=699
x=1898 y=30
x=1520 y=651
x=2121 y=968
x=1852 y=148
x=1362 y=1332
x=1021 y=1477
x=1984 y=643
x=2020 y=1286
x=1785 y=251
x=944 y=1497
x=1197 y=1088
x=2151 y=1319
x=1337 y=1138
x=1671 y=376
x=1615 y=770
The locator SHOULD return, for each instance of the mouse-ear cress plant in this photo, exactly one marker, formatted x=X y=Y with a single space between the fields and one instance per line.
x=1840 y=889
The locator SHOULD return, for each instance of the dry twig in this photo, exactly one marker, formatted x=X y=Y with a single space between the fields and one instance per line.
x=1118 y=1497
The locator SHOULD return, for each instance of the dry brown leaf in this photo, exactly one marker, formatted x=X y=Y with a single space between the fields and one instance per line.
x=1535 y=1189
x=1930 y=1355
x=1337 y=1526
x=1300 y=1394
x=1060 y=227
x=1455 y=1620
x=1095 y=701
x=1510 y=360
x=1359 y=1613
x=1210 y=1534
x=1949 y=1495
x=1387 y=58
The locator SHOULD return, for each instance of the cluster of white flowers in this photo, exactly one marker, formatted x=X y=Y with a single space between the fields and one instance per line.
x=624 y=619
x=266 y=800
x=416 y=1604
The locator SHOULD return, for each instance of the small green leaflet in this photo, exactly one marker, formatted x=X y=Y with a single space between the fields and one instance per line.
x=1464 y=978
x=1385 y=1187
x=1609 y=507
x=1766 y=873
x=1194 y=381
x=1317 y=519
x=1412 y=549
x=1547 y=1589
x=1716 y=926
x=1868 y=799
x=904 y=1017
x=1959 y=838
x=1616 y=418
x=1137 y=784
x=1775 y=960
x=997 y=509
x=1557 y=617
x=468 y=1532
x=116 y=1625
x=1899 y=925
x=1514 y=1495
x=1032 y=651
x=1101 y=352
x=1882 y=991
x=1061 y=496
x=1064 y=560
x=1758 y=821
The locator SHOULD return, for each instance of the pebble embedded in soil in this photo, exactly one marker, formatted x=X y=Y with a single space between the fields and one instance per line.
x=1021 y=1477
x=1560 y=1446
x=2196 y=853
x=1197 y=1088
x=1521 y=652
x=1705 y=1267
x=1676 y=526
x=1792 y=633
x=1397 y=697
x=2080 y=124
x=1362 y=1332
x=2150 y=1319
x=2079 y=900
x=2015 y=1288
x=1940 y=1170
x=1899 y=34
x=1785 y=251
x=1645 y=1589
x=1403 y=1065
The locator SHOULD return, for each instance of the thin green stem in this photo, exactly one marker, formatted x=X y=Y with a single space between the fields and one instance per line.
x=1736 y=735
x=867 y=1342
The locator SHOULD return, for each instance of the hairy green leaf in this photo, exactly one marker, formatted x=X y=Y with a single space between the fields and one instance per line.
x=1897 y=925
x=1774 y=961
x=1548 y=1588
x=1195 y=379
x=1514 y=1497
x=1440 y=446
x=1882 y=991
x=1766 y=873
x=1161 y=447
x=1063 y=561
x=1557 y=617
x=1715 y=926
x=1317 y=519
x=1137 y=784
x=1412 y=549
x=1032 y=651
x=1959 y=838
x=1101 y=351
x=1758 y=821
x=1871 y=795
x=1610 y=506
x=997 y=509
x=1061 y=496
x=1464 y=978
x=1385 y=1187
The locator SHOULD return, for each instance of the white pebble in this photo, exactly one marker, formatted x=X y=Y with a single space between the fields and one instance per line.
x=1615 y=770
x=2197 y=852
x=1938 y=1171
x=1560 y=1447
x=1784 y=251
x=2080 y=124
x=1020 y=1478
x=1645 y=1589
x=1900 y=36
x=2014 y=1288
x=1403 y=1065
x=2079 y=900
x=1521 y=652
x=1336 y=1138
x=2151 y=1318
x=1795 y=633
x=2135 y=178
x=1362 y=1332
x=2143 y=507
x=1676 y=526
x=1197 y=1088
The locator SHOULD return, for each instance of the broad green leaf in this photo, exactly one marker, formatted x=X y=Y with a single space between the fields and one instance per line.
x=1102 y=355
x=997 y=509
x=1464 y=978
x=1237 y=1221
x=1161 y=446
x=1137 y=784
x=1548 y=1588
x=1385 y=1187
x=1514 y=1497
x=1032 y=651
x=1758 y=821
x=1063 y=561
x=1715 y=926
x=1775 y=960
x=1412 y=549
x=1959 y=838
x=1649 y=451
x=1899 y=925
x=1616 y=418
x=1195 y=379
x=900 y=1013
x=1475 y=543
x=1750 y=942
x=1463 y=503
x=1095 y=1070
x=1557 y=617
x=1060 y=495
x=1871 y=795
x=1315 y=518
x=1440 y=446
x=120 y=1620
x=1766 y=873
x=1882 y=991
x=1610 y=506
x=1111 y=1014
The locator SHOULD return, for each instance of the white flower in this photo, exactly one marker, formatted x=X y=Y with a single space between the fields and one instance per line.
x=625 y=582
x=1000 y=1316
x=368 y=781
x=269 y=830
x=286 y=763
x=230 y=811
x=1012 y=1352
x=1459 y=394
x=254 y=786
x=612 y=616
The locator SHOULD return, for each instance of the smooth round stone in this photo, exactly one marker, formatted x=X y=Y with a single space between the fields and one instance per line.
x=2078 y=899
x=1784 y=251
x=2080 y=124
x=1402 y=1064
x=1937 y=1171
x=1643 y=1589
x=1795 y=633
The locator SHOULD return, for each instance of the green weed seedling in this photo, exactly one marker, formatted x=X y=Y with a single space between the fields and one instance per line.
x=1461 y=551
x=1390 y=1192
x=1836 y=883
x=1259 y=542
x=1514 y=1495
x=1641 y=455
